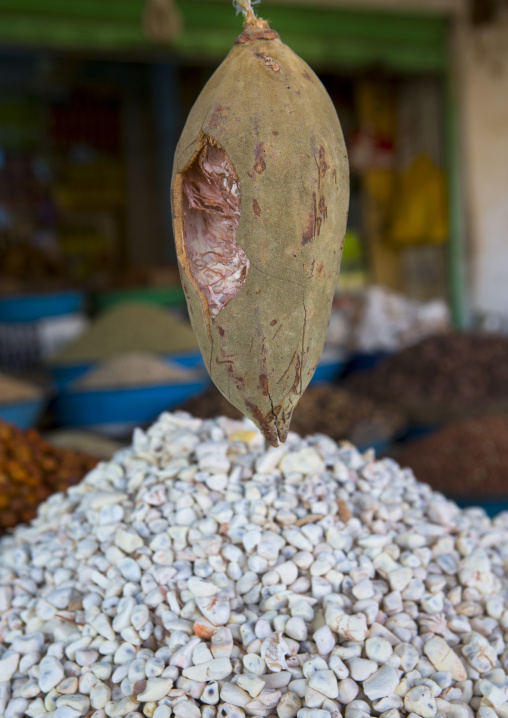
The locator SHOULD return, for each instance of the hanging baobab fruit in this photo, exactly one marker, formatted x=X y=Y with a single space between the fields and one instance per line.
x=260 y=195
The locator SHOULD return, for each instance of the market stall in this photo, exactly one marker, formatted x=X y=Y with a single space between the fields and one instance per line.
x=227 y=566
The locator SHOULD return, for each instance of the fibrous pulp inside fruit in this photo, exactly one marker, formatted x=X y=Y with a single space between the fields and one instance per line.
x=211 y=213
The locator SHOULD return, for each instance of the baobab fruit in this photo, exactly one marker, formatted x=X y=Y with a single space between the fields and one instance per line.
x=260 y=195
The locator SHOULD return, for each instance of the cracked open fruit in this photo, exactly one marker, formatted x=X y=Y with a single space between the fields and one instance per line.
x=259 y=195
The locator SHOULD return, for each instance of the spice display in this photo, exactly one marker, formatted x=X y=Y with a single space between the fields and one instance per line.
x=131 y=370
x=326 y=409
x=260 y=195
x=13 y=390
x=466 y=459
x=129 y=327
x=30 y=471
x=198 y=575
x=452 y=371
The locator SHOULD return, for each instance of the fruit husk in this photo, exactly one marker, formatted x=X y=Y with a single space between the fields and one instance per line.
x=269 y=112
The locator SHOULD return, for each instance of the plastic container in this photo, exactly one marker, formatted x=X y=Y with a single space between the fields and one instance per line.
x=380 y=446
x=115 y=412
x=331 y=366
x=327 y=372
x=33 y=307
x=32 y=326
x=189 y=360
x=65 y=374
x=364 y=361
x=491 y=506
x=23 y=414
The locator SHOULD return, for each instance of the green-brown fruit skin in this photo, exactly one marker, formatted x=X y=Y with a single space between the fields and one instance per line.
x=270 y=113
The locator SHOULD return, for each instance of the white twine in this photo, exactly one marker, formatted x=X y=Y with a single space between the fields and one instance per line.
x=245 y=7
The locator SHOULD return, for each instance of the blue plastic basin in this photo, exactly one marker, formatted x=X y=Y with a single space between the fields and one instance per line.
x=32 y=307
x=328 y=371
x=491 y=506
x=379 y=446
x=65 y=374
x=365 y=361
x=189 y=360
x=24 y=414
x=128 y=406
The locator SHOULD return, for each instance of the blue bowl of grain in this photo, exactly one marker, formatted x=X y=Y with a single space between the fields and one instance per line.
x=330 y=367
x=65 y=373
x=126 y=391
x=116 y=412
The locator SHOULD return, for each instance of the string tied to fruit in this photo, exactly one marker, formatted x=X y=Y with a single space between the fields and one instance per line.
x=250 y=19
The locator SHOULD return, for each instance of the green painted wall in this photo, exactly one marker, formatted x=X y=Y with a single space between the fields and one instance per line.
x=323 y=36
